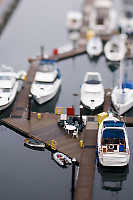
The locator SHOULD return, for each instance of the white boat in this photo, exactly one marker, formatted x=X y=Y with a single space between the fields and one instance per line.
x=122 y=98
x=115 y=48
x=74 y=20
x=103 y=17
x=62 y=159
x=46 y=83
x=94 y=46
x=122 y=94
x=92 y=91
x=8 y=86
x=126 y=19
x=112 y=142
x=35 y=144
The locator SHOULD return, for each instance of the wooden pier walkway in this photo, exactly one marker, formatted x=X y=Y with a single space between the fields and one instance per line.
x=84 y=184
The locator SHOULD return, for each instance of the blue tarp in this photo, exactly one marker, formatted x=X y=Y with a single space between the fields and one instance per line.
x=113 y=134
x=113 y=123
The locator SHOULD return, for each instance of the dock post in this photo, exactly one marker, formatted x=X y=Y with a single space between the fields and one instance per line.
x=73 y=175
x=29 y=107
x=81 y=113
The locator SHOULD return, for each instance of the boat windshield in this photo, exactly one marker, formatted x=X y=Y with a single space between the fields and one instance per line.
x=43 y=83
x=92 y=79
x=5 y=78
x=46 y=68
x=5 y=90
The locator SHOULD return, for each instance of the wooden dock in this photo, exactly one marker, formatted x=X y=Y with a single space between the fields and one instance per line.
x=84 y=184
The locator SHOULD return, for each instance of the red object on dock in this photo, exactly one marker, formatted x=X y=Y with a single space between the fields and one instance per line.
x=55 y=52
x=70 y=111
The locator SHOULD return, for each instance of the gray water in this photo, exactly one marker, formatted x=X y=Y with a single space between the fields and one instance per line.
x=24 y=173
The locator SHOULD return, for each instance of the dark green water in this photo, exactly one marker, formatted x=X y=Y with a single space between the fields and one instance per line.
x=24 y=173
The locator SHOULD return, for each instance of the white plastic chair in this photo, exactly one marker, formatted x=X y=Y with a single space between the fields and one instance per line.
x=75 y=133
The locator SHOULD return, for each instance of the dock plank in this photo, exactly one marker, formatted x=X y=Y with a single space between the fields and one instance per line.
x=84 y=184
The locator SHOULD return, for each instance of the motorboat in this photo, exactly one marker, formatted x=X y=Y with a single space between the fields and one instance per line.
x=34 y=144
x=103 y=17
x=122 y=93
x=47 y=82
x=112 y=142
x=115 y=49
x=92 y=91
x=74 y=20
x=62 y=159
x=8 y=86
x=94 y=46
x=126 y=19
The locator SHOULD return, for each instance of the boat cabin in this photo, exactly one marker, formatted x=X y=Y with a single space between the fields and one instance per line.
x=113 y=137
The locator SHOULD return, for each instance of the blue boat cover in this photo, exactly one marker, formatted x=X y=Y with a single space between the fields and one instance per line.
x=112 y=123
x=46 y=61
x=113 y=134
x=127 y=84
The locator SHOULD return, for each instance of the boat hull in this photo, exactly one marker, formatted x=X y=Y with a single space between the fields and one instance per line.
x=45 y=98
x=12 y=98
x=121 y=108
x=115 y=159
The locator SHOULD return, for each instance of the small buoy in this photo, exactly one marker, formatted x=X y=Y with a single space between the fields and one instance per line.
x=55 y=52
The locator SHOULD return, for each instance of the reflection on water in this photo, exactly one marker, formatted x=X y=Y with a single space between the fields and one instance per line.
x=112 y=178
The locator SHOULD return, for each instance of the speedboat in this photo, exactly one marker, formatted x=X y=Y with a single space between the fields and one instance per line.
x=112 y=142
x=92 y=91
x=94 y=46
x=103 y=17
x=115 y=48
x=8 y=86
x=46 y=83
x=35 y=144
x=74 y=20
x=62 y=159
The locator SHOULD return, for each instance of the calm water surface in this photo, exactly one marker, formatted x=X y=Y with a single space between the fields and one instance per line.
x=28 y=174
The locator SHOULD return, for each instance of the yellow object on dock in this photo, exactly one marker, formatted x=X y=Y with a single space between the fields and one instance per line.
x=53 y=144
x=38 y=115
x=90 y=34
x=59 y=110
x=81 y=144
x=102 y=116
x=25 y=77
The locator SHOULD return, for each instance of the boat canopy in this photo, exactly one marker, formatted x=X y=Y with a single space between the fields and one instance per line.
x=113 y=133
x=127 y=84
x=112 y=123
x=46 y=61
